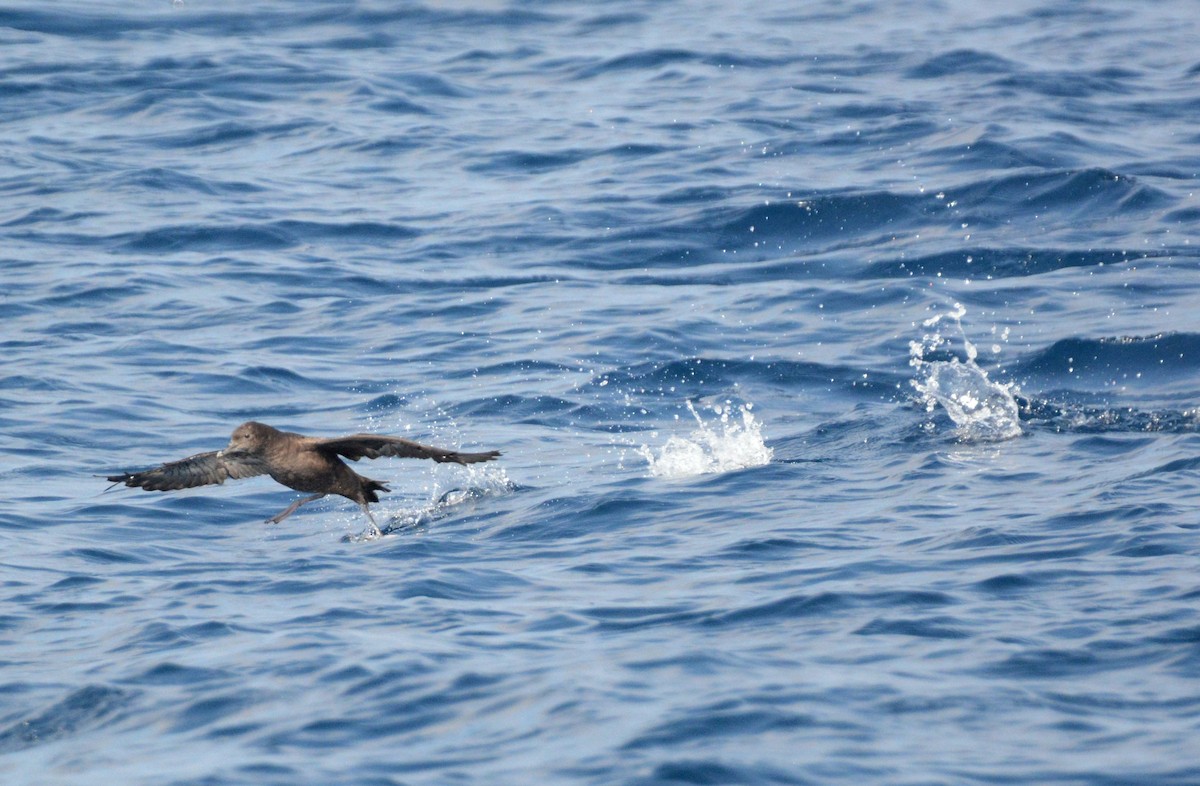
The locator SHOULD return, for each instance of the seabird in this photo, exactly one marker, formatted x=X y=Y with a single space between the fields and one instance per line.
x=308 y=464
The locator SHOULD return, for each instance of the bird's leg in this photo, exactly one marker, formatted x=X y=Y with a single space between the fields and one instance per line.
x=292 y=508
x=375 y=530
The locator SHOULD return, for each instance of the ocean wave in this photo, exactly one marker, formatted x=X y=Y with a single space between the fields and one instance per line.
x=1095 y=363
x=569 y=232
x=80 y=711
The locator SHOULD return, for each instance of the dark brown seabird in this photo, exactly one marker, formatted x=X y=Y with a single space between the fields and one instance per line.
x=303 y=463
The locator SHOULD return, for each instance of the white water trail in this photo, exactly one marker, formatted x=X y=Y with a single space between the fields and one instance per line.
x=982 y=410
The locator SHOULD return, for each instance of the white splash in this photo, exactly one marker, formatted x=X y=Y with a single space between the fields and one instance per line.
x=482 y=480
x=408 y=517
x=732 y=441
x=982 y=410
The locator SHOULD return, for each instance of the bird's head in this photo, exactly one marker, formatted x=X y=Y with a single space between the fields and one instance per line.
x=250 y=437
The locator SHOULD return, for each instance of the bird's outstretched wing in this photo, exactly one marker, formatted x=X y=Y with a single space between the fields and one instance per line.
x=358 y=446
x=202 y=469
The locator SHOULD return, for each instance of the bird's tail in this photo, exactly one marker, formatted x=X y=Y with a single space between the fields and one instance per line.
x=369 y=488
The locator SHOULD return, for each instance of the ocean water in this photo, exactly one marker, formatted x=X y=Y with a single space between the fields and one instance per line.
x=844 y=356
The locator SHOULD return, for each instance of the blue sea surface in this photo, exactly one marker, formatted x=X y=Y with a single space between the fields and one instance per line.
x=844 y=357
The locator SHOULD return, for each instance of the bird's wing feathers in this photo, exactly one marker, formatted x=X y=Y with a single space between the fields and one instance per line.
x=203 y=469
x=358 y=446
